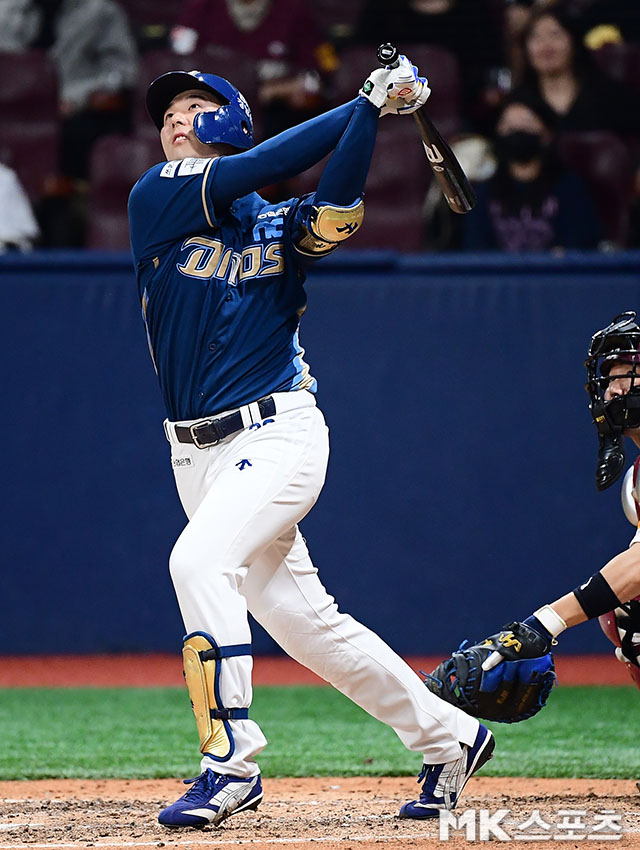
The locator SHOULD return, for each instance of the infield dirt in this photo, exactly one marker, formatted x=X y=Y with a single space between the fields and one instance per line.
x=348 y=813
x=356 y=813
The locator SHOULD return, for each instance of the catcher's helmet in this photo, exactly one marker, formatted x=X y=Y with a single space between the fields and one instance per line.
x=231 y=123
x=619 y=342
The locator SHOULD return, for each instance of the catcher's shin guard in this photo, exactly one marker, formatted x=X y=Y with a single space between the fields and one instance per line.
x=202 y=660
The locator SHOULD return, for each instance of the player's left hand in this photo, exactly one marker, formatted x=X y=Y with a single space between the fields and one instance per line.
x=512 y=691
x=514 y=642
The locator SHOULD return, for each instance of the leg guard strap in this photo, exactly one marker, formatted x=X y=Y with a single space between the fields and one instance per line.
x=203 y=659
x=229 y=713
x=231 y=651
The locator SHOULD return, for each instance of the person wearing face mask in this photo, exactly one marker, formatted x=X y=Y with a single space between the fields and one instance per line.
x=532 y=203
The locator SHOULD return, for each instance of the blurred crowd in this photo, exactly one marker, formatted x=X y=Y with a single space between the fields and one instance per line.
x=539 y=98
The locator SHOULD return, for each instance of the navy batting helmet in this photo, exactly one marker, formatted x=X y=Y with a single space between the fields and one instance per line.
x=231 y=123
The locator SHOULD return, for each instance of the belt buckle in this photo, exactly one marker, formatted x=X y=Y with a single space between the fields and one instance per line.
x=199 y=424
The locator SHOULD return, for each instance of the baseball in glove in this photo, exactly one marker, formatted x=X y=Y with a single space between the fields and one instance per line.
x=511 y=691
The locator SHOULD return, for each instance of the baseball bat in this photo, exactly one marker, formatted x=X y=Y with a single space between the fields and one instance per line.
x=454 y=183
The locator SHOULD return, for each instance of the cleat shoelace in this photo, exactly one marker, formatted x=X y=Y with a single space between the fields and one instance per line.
x=201 y=784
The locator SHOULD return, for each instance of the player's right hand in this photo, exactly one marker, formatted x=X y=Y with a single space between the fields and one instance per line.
x=405 y=105
x=396 y=90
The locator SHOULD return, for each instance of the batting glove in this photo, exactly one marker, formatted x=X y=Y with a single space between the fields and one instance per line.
x=405 y=105
x=396 y=90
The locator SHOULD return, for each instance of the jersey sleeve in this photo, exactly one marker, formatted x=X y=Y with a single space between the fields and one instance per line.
x=339 y=193
x=280 y=157
x=180 y=197
x=169 y=202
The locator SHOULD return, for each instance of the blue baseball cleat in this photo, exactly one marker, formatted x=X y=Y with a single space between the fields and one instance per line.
x=212 y=798
x=443 y=783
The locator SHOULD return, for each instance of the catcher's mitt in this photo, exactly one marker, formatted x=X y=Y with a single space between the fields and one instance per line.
x=510 y=692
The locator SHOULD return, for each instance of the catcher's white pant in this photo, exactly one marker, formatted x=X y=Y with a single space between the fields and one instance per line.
x=242 y=550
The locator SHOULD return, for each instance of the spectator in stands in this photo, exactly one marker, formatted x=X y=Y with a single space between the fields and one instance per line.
x=18 y=227
x=467 y=28
x=293 y=60
x=532 y=203
x=611 y=21
x=516 y=18
x=96 y=62
x=560 y=76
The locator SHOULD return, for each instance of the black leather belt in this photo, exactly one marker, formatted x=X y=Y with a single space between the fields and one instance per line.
x=208 y=432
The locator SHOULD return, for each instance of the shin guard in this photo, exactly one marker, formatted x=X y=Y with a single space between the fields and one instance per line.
x=202 y=660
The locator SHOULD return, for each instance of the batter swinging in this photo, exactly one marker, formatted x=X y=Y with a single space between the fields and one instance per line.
x=220 y=274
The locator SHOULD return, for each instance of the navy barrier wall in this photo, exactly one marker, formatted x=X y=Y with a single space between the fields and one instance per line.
x=460 y=491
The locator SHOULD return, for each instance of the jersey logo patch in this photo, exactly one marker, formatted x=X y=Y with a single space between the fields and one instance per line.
x=184 y=167
x=178 y=462
x=191 y=165
x=169 y=170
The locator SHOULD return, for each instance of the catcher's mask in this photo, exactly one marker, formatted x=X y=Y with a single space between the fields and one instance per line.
x=618 y=343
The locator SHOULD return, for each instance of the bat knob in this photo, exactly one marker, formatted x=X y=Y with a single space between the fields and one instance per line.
x=387 y=54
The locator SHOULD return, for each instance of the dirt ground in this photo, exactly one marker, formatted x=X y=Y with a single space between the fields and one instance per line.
x=352 y=813
x=139 y=671
x=349 y=813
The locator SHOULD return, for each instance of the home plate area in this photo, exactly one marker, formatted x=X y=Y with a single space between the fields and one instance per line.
x=354 y=812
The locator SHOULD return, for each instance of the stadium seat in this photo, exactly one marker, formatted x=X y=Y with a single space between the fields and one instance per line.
x=144 y=13
x=603 y=161
x=29 y=126
x=29 y=90
x=336 y=17
x=621 y=62
x=436 y=63
x=238 y=68
x=116 y=164
x=31 y=149
x=394 y=192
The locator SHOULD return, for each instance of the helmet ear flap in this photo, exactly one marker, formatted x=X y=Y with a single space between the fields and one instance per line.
x=226 y=125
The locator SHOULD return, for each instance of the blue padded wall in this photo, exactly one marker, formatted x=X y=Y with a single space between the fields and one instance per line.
x=460 y=491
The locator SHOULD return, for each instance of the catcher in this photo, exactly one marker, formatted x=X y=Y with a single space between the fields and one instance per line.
x=474 y=678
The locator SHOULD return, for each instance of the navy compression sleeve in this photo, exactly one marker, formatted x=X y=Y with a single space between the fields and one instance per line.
x=278 y=158
x=344 y=176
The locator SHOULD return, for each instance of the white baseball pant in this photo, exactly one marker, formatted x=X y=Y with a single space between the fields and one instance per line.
x=241 y=550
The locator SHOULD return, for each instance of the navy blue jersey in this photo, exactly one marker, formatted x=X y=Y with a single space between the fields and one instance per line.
x=221 y=295
x=220 y=280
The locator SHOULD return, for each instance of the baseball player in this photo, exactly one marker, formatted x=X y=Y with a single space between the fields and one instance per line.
x=613 y=368
x=220 y=274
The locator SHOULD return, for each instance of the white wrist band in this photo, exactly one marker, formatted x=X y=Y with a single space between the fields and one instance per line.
x=551 y=620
